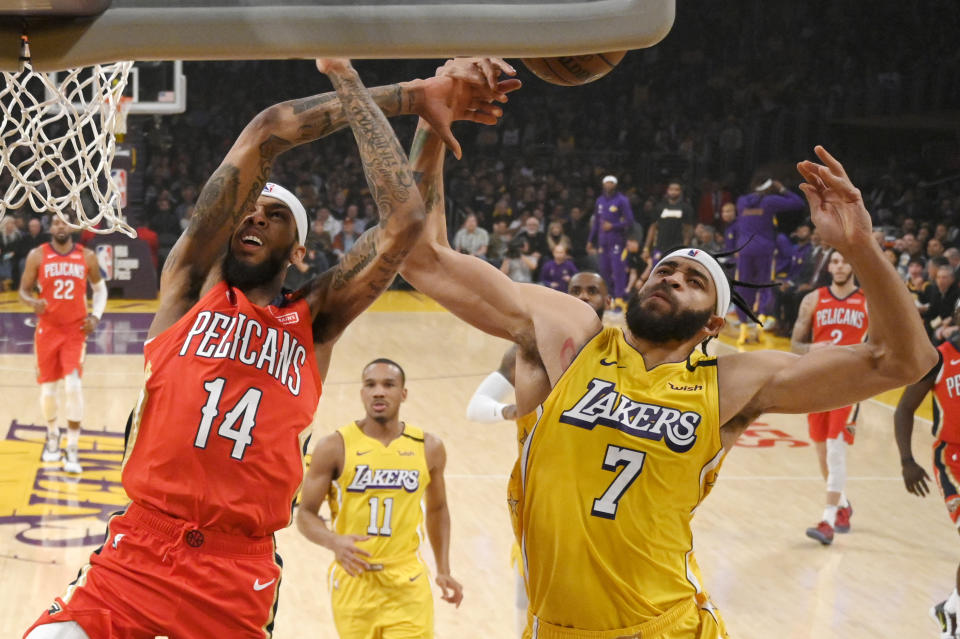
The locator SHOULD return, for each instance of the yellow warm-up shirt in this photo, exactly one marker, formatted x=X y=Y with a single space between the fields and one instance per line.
x=608 y=480
x=380 y=492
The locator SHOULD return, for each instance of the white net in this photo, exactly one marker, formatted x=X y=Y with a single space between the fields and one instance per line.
x=57 y=141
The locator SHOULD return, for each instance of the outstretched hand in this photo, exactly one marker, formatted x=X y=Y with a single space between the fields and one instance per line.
x=466 y=89
x=836 y=205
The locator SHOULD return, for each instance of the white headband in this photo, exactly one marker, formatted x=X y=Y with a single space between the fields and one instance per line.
x=277 y=192
x=766 y=185
x=720 y=281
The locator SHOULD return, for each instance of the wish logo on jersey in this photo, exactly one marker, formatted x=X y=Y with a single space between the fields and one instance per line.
x=602 y=405
x=366 y=478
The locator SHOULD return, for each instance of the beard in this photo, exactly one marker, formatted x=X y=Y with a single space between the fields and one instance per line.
x=674 y=326
x=246 y=276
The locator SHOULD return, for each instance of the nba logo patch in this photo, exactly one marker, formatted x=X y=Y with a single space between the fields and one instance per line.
x=693 y=252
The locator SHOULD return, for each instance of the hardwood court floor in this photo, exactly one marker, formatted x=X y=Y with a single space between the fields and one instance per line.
x=768 y=579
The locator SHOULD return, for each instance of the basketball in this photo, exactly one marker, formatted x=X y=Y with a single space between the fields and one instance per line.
x=574 y=70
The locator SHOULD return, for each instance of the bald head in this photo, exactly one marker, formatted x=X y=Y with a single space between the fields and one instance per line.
x=590 y=287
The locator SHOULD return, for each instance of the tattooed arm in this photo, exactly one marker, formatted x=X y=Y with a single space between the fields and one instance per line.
x=192 y=266
x=343 y=292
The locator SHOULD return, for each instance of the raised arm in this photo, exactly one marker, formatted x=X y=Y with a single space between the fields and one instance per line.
x=234 y=187
x=438 y=520
x=539 y=320
x=915 y=478
x=897 y=353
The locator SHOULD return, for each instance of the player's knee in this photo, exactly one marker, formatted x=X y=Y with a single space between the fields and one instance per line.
x=62 y=630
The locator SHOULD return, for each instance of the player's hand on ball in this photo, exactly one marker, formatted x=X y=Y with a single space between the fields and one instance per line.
x=348 y=555
x=452 y=590
x=483 y=73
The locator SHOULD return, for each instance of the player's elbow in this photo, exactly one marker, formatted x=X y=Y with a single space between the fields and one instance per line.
x=905 y=366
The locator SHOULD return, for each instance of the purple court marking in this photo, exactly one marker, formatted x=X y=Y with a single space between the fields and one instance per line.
x=117 y=334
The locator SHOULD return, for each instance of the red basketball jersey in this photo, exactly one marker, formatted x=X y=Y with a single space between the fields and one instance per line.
x=63 y=284
x=840 y=321
x=946 y=396
x=218 y=435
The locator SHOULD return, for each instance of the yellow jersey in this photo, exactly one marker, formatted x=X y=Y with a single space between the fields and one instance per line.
x=380 y=493
x=609 y=478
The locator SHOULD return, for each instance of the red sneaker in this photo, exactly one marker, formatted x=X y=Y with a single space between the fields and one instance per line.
x=842 y=525
x=822 y=533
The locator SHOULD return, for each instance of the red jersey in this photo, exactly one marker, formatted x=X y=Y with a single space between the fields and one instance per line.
x=946 y=396
x=840 y=321
x=63 y=284
x=217 y=438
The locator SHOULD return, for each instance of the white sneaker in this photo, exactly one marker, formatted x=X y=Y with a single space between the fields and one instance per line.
x=71 y=462
x=51 y=448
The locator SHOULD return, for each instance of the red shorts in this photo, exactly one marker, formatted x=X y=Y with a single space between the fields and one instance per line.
x=833 y=423
x=60 y=350
x=157 y=576
x=946 y=469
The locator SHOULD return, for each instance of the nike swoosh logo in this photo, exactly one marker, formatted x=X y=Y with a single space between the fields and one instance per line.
x=363 y=452
x=416 y=577
x=259 y=586
x=954 y=362
x=604 y=362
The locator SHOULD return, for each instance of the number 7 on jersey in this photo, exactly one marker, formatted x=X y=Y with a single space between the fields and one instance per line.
x=606 y=505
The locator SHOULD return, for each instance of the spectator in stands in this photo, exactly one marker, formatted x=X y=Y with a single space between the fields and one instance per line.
x=953 y=257
x=344 y=240
x=712 y=198
x=942 y=298
x=518 y=261
x=536 y=238
x=578 y=230
x=918 y=284
x=9 y=268
x=704 y=238
x=637 y=263
x=499 y=240
x=671 y=223
x=934 y=248
x=556 y=272
x=471 y=239
x=555 y=236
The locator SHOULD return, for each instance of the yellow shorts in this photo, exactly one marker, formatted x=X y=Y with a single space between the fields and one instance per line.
x=684 y=621
x=393 y=603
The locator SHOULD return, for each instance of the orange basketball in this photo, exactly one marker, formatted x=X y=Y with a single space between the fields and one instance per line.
x=571 y=71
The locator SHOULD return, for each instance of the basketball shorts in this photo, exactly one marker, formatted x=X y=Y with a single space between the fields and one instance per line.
x=60 y=350
x=834 y=423
x=157 y=576
x=686 y=620
x=393 y=603
x=946 y=469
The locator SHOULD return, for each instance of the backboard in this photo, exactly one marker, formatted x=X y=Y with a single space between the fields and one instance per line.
x=155 y=87
x=73 y=33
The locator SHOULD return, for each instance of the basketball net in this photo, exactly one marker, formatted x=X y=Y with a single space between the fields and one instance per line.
x=57 y=142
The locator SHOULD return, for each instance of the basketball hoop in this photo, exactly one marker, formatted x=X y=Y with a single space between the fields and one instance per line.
x=57 y=141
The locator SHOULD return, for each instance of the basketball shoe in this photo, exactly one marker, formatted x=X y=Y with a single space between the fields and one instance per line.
x=51 y=447
x=842 y=525
x=71 y=461
x=822 y=532
x=947 y=621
